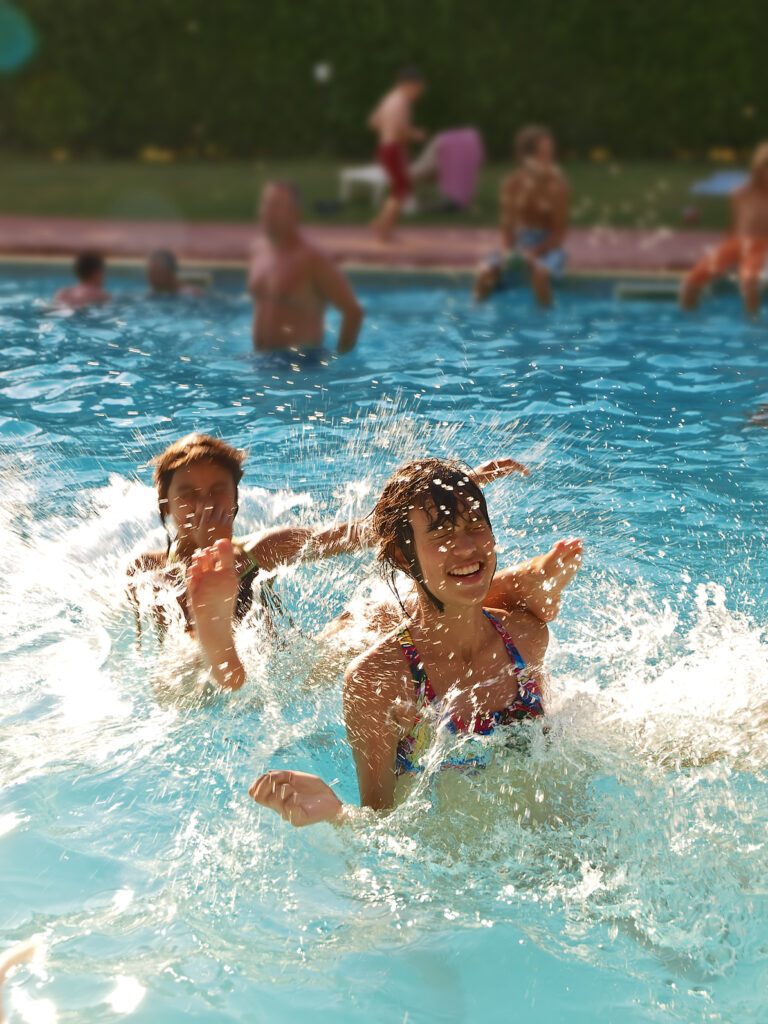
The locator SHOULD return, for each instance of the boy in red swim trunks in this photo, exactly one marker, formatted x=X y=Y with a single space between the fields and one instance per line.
x=745 y=248
x=391 y=120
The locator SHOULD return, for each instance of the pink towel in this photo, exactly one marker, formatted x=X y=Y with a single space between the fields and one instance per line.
x=459 y=157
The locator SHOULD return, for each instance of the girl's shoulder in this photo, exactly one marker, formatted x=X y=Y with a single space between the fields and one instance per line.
x=529 y=634
x=382 y=668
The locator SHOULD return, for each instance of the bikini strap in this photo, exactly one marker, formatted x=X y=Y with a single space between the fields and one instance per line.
x=514 y=655
x=415 y=664
x=529 y=690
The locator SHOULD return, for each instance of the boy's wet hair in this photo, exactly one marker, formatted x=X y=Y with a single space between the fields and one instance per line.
x=87 y=264
x=166 y=259
x=186 y=452
x=528 y=138
x=444 y=490
x=410 y=73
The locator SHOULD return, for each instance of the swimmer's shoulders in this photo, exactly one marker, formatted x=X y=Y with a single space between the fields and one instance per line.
x=529 y=634
x=381 y=669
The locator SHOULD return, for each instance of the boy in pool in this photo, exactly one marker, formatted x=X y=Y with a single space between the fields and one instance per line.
x=292 y=282
x=391 y=120
x=197 y=479
x=745 y=249
x=163 y=275
x=535 y=201
x=89 y=270
x=460 y=661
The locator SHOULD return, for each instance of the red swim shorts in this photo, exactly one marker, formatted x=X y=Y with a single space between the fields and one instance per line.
x=394 y=159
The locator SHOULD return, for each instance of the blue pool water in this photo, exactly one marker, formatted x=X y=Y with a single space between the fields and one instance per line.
x=615 y=871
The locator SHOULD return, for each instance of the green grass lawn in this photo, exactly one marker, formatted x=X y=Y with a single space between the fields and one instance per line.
x=632 y=194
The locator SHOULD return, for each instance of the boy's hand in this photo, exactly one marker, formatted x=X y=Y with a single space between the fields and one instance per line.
x=495 y=469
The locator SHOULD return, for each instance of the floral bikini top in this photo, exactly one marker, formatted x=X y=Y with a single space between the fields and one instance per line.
x=527 y=704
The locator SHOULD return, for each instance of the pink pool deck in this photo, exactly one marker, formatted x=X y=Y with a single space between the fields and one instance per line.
x=591 y=250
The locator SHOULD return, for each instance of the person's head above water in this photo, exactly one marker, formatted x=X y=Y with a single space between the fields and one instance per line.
x=431 y=522
x=412 y=81
x=759 y=165
x=162 y=272
x=89 y=268
x=535 y=142
x=197 y=480
x=280 y=209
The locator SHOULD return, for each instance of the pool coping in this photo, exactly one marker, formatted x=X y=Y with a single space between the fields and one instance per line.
x=594 y=252
x=360 y=269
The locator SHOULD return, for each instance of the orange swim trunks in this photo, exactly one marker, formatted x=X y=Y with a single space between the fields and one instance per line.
x=748 y=254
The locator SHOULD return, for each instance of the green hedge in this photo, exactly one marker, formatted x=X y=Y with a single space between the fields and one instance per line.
x=234 y=77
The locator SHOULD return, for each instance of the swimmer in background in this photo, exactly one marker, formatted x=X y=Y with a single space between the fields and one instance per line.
x=163 y=276
x=197 y=481
x=535 y=205
x=89 y=269
x=461 y=660
x=292 y=282
x=745 y=249
x=391 y=120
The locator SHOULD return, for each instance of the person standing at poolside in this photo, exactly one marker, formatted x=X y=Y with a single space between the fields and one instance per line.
x=745 y=249
x=535 y=203
x=292 y=282
x=89 y=270
x=391 y=120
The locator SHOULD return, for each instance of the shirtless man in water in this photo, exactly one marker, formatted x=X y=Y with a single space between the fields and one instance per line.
x=746 y=248
x=535 y=202
x=292 y=282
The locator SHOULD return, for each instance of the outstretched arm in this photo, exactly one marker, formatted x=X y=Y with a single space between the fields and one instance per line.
x=303 y=799
x=538 y=584
x=497 y=469
x=284 y=545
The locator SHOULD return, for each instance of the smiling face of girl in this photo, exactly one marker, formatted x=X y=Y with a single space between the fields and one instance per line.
x=432 y=523
x=456 y=554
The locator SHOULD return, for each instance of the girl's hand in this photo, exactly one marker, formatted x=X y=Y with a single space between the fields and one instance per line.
x=495 y=469
x=300 y=798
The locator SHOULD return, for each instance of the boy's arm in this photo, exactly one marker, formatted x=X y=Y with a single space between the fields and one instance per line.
x=284 y=545
x=508 y=212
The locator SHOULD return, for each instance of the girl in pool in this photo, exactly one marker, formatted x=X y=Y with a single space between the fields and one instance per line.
x=454 y=663
x=213 y=574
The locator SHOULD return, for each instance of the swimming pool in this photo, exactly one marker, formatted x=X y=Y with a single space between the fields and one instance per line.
x=614 y=871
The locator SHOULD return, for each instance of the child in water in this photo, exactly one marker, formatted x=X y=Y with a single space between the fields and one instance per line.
x=462 y=659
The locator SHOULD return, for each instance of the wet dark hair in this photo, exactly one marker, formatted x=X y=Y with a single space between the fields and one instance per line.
x=186 y=452
x=87 y=264
x=444 y=490
x=166 y=258
x=528 y=139
x=410 y=73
